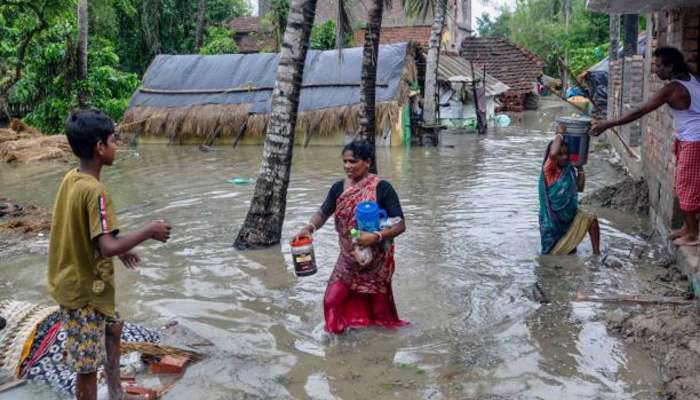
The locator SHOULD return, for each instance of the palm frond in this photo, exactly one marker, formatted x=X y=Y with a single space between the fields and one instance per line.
x=419 y=8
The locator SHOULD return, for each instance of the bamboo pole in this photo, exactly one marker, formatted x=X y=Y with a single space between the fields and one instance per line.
x=678 y=301
x=480 y=128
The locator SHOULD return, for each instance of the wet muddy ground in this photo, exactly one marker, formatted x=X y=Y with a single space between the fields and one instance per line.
x=466 y=269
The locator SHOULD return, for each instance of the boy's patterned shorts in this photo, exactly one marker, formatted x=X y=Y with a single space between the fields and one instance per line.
x=85 y=340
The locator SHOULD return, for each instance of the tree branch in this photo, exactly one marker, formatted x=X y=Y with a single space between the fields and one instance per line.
x=24 y=44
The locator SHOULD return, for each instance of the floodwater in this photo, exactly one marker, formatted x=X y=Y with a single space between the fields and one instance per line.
x=465 y=270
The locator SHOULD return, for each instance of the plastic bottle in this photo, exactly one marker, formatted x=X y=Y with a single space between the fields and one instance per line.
x=363 y=254
x=388 y=223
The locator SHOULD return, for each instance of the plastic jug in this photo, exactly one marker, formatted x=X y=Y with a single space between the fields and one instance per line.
x=369 y=217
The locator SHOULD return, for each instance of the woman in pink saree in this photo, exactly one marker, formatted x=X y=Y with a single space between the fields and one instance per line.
x=360 y=296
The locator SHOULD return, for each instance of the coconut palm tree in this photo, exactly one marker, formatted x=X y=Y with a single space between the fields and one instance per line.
x=439 y=10
x=83 y=52
x=370 y=55
x=263 y=224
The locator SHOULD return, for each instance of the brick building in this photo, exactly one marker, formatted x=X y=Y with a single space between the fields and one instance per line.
x=396 y=25
x=250 y=36
x=633 y=81
x=398 y=34
x=327 y=10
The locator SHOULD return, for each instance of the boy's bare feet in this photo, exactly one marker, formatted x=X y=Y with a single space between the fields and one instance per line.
x=678 y=233
x=687 y=240
x=117 y=393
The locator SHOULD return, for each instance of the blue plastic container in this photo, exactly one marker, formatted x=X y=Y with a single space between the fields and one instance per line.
x=369 y=217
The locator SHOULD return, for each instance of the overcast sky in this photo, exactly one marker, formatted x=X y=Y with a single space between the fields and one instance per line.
x=489 y=6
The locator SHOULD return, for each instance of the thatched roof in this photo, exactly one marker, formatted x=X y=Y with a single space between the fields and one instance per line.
x=202 y=96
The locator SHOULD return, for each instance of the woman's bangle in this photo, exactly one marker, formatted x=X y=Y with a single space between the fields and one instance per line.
x=379 y=235
x=313 y=227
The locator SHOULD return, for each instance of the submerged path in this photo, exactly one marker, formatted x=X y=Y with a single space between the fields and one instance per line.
x=465 y=269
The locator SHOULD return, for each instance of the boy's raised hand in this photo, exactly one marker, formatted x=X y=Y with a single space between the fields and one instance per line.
x=159 y=230
x=130 y=259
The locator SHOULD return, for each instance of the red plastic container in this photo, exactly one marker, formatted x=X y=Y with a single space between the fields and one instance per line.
x=303 y=256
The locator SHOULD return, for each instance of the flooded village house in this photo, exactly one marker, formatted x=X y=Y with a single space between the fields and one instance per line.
x=646 y=146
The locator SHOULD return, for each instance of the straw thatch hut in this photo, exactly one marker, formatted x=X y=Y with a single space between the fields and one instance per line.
x=225 y=98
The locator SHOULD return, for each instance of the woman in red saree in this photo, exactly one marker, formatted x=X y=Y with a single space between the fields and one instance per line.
x=358 y=296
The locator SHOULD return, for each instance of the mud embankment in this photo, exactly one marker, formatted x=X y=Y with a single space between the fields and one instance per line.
x=627 y=196
x=27 y=220
x=22 y=144
x=670 y=334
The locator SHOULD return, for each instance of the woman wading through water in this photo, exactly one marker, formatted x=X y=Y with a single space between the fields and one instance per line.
x=360 y=296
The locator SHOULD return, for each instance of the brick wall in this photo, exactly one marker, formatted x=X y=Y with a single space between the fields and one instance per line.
x=678 y=28
x=393 y=16
x=632 y=93
x=398 y=34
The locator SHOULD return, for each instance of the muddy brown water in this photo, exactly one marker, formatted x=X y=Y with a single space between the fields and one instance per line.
x=465 y=269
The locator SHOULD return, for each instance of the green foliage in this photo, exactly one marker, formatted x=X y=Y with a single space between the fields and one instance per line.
x=22 y=23
x=494 y=27
x=49 y=83
x=219 y=41
x=323 y=36
x=125 y=35
x=583 y=58
x=149 y=27
x=276 y=19
x=540 y=26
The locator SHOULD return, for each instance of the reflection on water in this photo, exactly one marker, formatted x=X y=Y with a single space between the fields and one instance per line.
x=464 y=268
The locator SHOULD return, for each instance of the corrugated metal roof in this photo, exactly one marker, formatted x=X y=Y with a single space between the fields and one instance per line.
x=451 y=66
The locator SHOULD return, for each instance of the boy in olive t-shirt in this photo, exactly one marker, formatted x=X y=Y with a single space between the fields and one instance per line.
x=84 y=238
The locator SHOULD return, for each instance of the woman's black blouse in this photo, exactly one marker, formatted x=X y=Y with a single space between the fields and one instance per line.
x=387 y=199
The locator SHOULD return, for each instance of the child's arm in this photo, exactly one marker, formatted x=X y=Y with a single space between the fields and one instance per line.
x=580 y=179
x=111 y=245
x=556 y=145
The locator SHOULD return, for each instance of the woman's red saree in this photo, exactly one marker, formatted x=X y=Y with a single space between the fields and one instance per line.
x=358 y=296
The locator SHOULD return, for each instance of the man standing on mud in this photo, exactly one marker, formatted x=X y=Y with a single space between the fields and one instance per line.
x=682 y=95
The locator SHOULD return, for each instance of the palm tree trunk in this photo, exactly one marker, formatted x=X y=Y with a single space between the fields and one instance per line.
x=430 y=102
x=82 y=52
x=199 y=36
x=263 y=224
x=370 y=55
